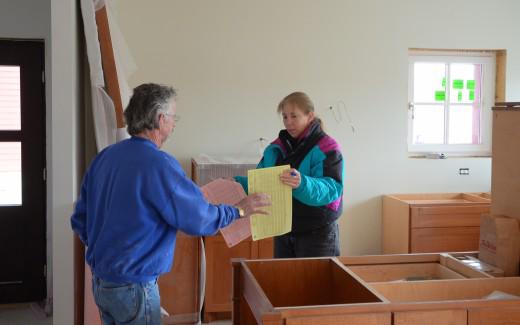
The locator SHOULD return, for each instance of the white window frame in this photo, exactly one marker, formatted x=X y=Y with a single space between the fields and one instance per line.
x=488 y=61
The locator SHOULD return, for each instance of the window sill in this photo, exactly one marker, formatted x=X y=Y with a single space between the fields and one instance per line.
x=446 y=155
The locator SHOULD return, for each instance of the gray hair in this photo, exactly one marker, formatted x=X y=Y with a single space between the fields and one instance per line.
x=147 y=102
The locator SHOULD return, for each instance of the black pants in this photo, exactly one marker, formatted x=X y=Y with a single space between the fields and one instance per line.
x=316 y=243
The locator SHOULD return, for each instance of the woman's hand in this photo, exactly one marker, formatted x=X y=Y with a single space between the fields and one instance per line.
x=291 y=177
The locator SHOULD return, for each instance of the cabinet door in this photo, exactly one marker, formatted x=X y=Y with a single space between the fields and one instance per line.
x=432 y=317
x=218 y=271
x=265 y=248
x=179 y=288
x=434 y=240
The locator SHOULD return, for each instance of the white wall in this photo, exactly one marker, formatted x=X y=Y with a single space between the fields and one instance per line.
x=233 y=60
x=64 y=157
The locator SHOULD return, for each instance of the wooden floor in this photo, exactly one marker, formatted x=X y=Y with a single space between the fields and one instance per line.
x=23 y=314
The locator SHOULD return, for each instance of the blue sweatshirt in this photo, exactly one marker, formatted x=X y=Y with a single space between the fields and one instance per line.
x=133 y=199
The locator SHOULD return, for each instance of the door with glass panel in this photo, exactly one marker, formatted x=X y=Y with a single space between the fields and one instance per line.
x=22 y=172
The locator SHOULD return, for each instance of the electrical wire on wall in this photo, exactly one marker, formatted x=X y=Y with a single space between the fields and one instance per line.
x=262 y=144
x=340 y=113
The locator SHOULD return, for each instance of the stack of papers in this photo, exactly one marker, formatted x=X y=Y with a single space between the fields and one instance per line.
x=277 y=222
x=223 y=191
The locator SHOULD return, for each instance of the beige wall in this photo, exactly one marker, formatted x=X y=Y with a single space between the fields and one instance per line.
x=64 y=158
x=233 y=60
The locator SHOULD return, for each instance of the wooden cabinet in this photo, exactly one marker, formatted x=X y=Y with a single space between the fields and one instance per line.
x=436 y=222
x=217 y=303
x=384 y=289
x=180 y=288
x=217 y=298
x=370 y=290
x=505 y=180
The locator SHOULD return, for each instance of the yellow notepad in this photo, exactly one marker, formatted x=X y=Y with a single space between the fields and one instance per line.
x=279 y=218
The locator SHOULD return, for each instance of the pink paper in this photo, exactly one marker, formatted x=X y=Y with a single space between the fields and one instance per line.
x=223 y=191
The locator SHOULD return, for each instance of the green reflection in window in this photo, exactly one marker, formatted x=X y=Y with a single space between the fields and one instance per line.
x=458 y=84
x=440 y=95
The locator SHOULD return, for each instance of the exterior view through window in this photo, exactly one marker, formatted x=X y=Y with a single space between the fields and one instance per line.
x=10 y=152
x=450 y=100
x=22 y=171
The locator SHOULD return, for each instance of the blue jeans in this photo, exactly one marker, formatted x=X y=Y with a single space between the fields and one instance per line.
x=127 y=303
x=315 y=243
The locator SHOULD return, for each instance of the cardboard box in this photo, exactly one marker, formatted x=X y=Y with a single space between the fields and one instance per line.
x=499 y=243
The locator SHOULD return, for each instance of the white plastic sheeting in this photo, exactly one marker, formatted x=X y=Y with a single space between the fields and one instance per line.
x=105 y=127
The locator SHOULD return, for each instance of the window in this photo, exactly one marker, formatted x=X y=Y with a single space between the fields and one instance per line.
x=450 y=100
x=10 y=152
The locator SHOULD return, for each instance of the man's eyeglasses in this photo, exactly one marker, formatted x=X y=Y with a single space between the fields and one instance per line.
x=175 y=117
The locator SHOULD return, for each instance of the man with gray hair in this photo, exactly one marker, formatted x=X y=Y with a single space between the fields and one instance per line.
x=133 y=199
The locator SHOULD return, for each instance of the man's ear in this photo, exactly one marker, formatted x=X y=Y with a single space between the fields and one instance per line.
x=160 y=119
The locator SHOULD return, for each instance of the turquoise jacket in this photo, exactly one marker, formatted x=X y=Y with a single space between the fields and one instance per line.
x=317 y=202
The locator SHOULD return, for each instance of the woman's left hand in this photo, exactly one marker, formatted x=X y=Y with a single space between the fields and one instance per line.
x=291 y=177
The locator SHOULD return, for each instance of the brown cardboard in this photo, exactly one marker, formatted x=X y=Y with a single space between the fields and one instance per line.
x=499 y=243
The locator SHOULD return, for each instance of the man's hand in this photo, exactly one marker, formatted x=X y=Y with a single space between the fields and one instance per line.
x=230 y=179
x=253 y=203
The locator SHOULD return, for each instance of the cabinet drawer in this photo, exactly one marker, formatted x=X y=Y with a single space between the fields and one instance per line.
x=433 y=317
x=352 y=319
x=447 y=216
x=494 y=316
x=434 y=240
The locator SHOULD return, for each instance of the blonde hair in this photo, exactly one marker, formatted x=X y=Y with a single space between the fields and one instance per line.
x=298 y=98
x=302 y=100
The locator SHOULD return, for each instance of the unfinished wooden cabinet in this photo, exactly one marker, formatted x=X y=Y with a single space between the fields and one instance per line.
x=505 y=173
x=336 y=291
x=436 y=222
x=180 y=288
x=217 y=299
x=217 y=302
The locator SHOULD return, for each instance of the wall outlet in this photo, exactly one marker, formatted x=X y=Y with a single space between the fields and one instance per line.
x=463 y=171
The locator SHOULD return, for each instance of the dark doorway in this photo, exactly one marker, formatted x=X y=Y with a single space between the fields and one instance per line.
x=22 y=171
